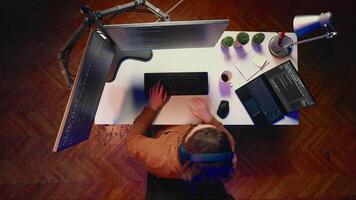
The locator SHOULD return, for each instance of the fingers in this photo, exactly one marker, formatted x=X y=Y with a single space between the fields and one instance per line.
x=160 y=89
x=194 y=103
x=150 y=91
x=164 y=96
x=168 y=96
x=192 y=109
x=201 y=100
x=198 y=102
x=158 y=96
x=155 y=88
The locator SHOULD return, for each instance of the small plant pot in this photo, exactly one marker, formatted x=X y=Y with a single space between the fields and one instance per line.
x=227 y=42
x=258 y=38
x=237 y=44
x=222 y=45
x=242 y=38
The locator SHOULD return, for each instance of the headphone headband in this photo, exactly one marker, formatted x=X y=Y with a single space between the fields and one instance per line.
x=204 y=157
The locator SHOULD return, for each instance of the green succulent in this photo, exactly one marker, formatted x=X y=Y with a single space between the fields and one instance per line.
x=243 y=38
x=258 y=38
x=228 y=41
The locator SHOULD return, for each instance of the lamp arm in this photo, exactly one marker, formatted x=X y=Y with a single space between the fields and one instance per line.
x=326 y=35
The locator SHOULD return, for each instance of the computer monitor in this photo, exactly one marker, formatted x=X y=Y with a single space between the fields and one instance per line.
x=86 y=92
x=167 y=35
x=100 y=61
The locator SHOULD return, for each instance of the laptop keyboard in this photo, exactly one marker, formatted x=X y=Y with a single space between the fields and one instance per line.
x=179 y=83
x=265 y=100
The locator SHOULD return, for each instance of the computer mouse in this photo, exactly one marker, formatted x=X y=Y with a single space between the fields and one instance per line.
x=223 y=109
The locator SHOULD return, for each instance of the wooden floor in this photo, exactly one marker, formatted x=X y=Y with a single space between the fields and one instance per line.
x=315 y=160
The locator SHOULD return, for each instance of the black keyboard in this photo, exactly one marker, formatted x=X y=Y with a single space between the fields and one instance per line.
x=265 y=100
x=179 y=83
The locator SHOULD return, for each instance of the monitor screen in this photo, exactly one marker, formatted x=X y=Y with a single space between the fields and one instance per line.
x=167 y=35
x=86 y=92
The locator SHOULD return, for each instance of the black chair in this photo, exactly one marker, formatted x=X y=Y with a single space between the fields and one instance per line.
x=169 y=189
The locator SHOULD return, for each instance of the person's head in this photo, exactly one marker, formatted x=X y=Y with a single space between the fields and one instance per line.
x=205 y=139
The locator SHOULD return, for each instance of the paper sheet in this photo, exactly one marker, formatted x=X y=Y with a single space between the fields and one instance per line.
x=246 y=67
x=259 y=61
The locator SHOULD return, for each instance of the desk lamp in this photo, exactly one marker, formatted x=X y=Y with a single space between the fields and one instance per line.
x=281 y=45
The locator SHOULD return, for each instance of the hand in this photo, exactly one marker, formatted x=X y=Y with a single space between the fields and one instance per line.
x=200 y=109
x=158 y=96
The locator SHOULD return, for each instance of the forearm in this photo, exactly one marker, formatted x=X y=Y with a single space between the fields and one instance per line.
x=141 y=125
x=137 y=143
x=144 y=121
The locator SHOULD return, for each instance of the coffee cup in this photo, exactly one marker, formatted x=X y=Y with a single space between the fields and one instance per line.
x=226 y=77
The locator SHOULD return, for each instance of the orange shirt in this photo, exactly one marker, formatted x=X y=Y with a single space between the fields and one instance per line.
x=160 y=154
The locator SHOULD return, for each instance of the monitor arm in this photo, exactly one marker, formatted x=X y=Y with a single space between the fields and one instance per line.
x=95 y=17
x=134 y=5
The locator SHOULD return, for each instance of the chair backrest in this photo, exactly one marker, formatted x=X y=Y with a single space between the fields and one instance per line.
x=163 y=188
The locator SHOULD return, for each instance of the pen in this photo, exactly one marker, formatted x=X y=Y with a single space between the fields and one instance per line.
x=281 y=36
x=264 y=64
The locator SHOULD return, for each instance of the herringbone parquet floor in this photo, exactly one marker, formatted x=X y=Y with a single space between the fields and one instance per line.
x=315 y=160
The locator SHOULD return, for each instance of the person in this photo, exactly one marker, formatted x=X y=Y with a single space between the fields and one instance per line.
x=161 y=154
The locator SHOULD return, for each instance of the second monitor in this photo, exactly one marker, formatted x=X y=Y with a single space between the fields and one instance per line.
x=167 y=35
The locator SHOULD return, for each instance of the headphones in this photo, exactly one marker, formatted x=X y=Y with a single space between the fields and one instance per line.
x=203 y=157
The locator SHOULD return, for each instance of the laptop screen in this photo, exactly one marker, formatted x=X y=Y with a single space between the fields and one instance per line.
x=289 y=87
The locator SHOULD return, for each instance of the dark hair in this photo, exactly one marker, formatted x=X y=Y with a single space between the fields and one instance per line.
x=207 y=140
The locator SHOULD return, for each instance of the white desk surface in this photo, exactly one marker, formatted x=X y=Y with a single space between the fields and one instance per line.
x=123 y=99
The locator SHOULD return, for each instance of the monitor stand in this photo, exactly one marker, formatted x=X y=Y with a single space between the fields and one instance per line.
x=121 y=56
x=94 y=17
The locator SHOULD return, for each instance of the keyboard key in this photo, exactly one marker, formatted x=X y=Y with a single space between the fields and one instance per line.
x=265 y=100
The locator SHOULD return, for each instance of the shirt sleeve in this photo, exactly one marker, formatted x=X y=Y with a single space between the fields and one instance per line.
x=140 y=146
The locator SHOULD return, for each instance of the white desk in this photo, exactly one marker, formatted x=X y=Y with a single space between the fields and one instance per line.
x=122 y=100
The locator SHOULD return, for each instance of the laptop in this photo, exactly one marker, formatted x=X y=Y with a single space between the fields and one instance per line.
x=275 y=93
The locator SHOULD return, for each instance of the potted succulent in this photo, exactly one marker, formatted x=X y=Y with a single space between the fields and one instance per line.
x=242 y=38
x=227 y=41
x=258 y=38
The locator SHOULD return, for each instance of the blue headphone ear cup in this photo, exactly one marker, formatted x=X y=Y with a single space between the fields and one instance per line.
x=183 y=155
